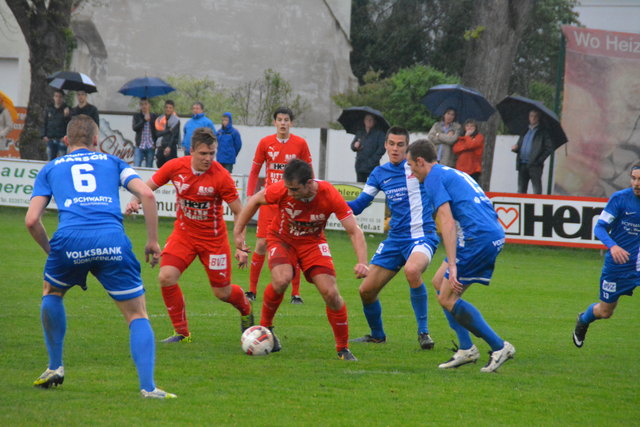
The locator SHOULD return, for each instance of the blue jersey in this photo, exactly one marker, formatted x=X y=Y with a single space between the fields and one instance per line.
x=85 y=185
x=471 y=208
x=619 y=224
x=411 y=210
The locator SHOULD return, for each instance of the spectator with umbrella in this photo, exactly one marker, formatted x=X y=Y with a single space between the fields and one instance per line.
x=83 y=85
x=369 y=127
x=56 y=118
x=451 y=102
x=143 y=124
x=149 y=128
x=469 y=149
x=540 y=134
x=443 y=135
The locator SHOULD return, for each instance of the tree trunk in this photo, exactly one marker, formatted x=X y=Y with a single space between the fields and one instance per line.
x=44 y=31
x=489 y=60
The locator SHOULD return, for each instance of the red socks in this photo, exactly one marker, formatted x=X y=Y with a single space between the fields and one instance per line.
x=257 y=261
x=270 y=303
x=174 y=301
x=239 y=300
x=295 y=282
x=340 y=325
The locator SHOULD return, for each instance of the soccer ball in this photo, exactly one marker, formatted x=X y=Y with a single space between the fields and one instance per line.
x=257 y=341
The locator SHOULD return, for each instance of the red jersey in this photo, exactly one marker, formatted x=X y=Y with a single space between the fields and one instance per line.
x=276 y=154
x=199 y=196
x=300 y=221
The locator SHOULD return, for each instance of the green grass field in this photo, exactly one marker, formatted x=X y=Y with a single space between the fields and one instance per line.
x=532 y=302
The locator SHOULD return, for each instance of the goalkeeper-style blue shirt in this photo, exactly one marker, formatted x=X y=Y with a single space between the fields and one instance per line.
x=85 y=185
x=471 y=208
x=619 y=224
x=411 y=211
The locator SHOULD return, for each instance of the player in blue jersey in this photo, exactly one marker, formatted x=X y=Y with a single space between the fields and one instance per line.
x=412 y=238
x=472 y=239
x=91 y=238
x=619 y=229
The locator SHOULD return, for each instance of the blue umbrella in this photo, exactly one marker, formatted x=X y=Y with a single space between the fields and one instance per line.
x=146 y=87
x=468 y=102
x=515 y=109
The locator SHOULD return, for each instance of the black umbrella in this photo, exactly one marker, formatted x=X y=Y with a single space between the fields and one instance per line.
x=515 y=115
x=468 y=102
x=352 y=119
x=72 y=80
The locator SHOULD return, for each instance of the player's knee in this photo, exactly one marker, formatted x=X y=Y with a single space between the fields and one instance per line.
x=223 y=293
x=413 y=274
x=261 y=246
x=606 y=312
x=367 y=295
x=332 y=298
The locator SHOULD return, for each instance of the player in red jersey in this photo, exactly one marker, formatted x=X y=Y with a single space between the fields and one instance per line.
x=296 y=237
x=202 y=184
x=274 y=150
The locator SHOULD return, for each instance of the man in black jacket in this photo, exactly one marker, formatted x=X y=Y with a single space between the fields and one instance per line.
x=56 y=118
x=168 y=131
x=533 y=148
x=369 y=146
x=84 y=107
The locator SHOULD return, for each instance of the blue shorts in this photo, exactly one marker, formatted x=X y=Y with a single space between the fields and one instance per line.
x=392 y=254
x=476 y=260
x=106 y=254
x=618 y=283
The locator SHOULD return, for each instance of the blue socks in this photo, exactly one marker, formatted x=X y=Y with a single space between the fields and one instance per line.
x=143 y=351
x=373 y=313
x=54 y=324
x=588 y=316
x=469 y=317
x=419 y=303
x=464 y=339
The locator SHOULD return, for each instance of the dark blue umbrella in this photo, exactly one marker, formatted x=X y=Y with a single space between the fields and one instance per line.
x=146 y=87
x=468 y=102
x=515 y=110
x=352 y=119
x=72 y=80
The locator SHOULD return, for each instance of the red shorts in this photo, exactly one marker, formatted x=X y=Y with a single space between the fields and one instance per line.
x=314 y=258
x=265 y=217
x=215 y=255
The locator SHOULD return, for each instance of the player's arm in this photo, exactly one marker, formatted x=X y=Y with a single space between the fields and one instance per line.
x=360 y=203
x=258 y=159
x=601 y=231
x=449 y=236
x=144 y=193
x=359 y=245
x=134 y=204
x=245 y=215
x=242 y=251
x=33 y=221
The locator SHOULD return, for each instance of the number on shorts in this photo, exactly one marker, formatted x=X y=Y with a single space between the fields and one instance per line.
x=83 y=182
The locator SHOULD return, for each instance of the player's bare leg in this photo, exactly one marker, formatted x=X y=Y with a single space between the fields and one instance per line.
x=336 y=313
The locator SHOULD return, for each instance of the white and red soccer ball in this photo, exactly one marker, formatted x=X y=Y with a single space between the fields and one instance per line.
x=257 y=341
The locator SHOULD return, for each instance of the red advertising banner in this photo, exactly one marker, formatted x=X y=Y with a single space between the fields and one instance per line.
x=600 y=112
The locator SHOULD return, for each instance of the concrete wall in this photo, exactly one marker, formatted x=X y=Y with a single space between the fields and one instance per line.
x=230 y=41
x=15 y=73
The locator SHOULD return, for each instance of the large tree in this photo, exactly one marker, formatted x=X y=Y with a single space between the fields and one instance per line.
x=45 y=26
x=493 y=43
